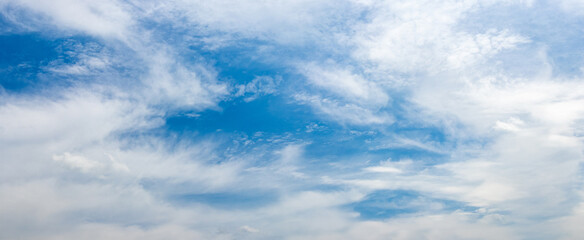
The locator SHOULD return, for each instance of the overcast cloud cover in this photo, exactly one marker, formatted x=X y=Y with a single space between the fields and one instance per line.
x=328 y=119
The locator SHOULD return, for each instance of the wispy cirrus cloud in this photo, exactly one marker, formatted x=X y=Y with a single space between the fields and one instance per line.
x=291 y=120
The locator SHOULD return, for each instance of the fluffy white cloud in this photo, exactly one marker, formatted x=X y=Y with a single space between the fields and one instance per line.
x=259 y=86
x=344 y=84
x=286 y=22
x=109 y=19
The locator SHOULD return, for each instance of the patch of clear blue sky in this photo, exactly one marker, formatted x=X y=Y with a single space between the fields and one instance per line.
x=229 y=201
x=384 y=204
x=22 y=58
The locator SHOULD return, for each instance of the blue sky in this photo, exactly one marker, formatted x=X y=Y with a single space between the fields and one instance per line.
x=350 y=119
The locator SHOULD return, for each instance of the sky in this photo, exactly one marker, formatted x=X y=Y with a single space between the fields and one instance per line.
x=326 y=119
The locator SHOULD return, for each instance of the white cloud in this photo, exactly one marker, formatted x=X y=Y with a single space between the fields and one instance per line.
x=401 y=142
x=286 y=22
x=75 y=161
x=249 y=229
x=512 y=124
x=58 y=181
x=346 y=113
x=167 y=81
x=453 y=226
x=347 y=97
x=480 y=103
x=344 y=84
x=109 y=19
x=422 y=36
x=79 y=117
x=471 y=49
x=573 y=6
x=571 y=223
x=381 y=169
x=171 y=83
x=396 y=167
x=89 y=58
x=259 y=86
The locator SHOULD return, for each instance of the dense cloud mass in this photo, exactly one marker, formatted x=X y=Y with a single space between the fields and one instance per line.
x=344 y=119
